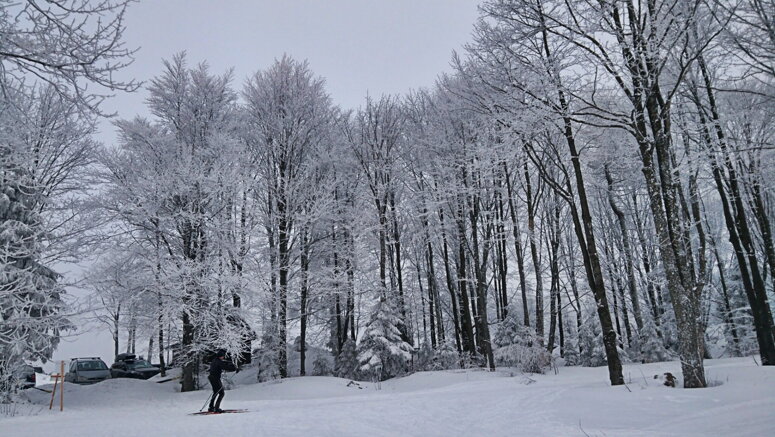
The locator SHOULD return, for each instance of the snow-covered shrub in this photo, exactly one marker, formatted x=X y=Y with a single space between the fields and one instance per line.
x=571 y=352
x=469 y=360
x=591 y=340
x=445 y=357
x=523 y=352
x=321 y=366
x=652 y=350
x=516 y=345
x=529 y=359
x=737 y=323
x=424 y=357
x=346 y=362
x=382 y=353
x=266 y=358
x=507 y=330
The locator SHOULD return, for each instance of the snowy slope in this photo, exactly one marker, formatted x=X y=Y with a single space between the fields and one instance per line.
x=576 y=402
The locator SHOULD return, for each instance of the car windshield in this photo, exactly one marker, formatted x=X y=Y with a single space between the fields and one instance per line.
x=92 y=365
x=138 y=363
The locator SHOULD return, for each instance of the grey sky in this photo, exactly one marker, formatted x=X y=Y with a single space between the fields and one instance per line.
x=359 y=47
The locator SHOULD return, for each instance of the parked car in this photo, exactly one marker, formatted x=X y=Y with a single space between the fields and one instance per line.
x=87 y=370
x=25 y=375
x=129 y=366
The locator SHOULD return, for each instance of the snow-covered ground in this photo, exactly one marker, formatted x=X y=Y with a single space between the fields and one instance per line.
x=575 y=402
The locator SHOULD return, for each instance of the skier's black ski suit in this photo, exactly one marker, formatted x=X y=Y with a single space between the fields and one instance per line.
x=218 y=366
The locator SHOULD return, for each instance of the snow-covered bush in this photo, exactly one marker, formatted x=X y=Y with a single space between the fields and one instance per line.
x=346 y=362
x=516 y=345
x=523 y=352
x=266 y=358
x=321 y=366
x=508 y=329
x=652 y=350
x=591 y=340
x=571 y=352
x=444 y=357
x=382 y=353
x=424 y=357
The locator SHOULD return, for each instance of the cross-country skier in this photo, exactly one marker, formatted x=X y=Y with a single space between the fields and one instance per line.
x=217 y=366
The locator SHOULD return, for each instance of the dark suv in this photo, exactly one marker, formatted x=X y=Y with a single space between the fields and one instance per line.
x=129 y=366
x=87 y=371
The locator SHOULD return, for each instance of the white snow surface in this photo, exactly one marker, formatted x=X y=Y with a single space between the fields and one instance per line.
x=575 y=402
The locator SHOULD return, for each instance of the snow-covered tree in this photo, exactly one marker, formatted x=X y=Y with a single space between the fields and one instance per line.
x=517 y=345
x=346 y=363
x=31 y=307
x=172 y=183
x=52 y=57
x=289 y=117
x=382 y=353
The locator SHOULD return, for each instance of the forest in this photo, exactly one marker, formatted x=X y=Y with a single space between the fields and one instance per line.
x=592 y=185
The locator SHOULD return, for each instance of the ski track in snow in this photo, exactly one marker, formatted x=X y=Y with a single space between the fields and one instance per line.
x=576 y=402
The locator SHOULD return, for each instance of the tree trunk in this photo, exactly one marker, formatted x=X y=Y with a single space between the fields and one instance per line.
x=539 y=292
x=462 y=275
x=116 y=327
x=554 y=268
x=450 y=284
x=646 y=256
x=517 y=247
x=305 y=249
x=480 y=255
x=627 y=250
x=282 y=298
x=189 y=363
x=586 y=237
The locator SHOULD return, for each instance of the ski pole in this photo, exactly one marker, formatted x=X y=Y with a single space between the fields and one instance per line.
x=208 y=400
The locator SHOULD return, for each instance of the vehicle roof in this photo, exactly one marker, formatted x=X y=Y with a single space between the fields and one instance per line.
x=86 y=359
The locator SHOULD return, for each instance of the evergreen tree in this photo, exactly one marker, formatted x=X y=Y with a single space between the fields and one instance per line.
x=590 y=338
x=321 y=366
x=652 y=350
x=346 y=362
x=442 y=358
x=383 y=353
x=30 y=298
x=517 y=345
x=266 y=358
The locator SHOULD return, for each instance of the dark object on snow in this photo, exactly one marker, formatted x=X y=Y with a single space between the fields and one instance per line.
x=207 y=413
x=669 y=379
x=217 y=367
x=354 y=384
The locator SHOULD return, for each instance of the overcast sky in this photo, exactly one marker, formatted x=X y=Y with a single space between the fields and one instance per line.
x=358 y=46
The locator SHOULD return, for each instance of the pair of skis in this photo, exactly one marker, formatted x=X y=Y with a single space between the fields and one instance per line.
x=208 y=413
